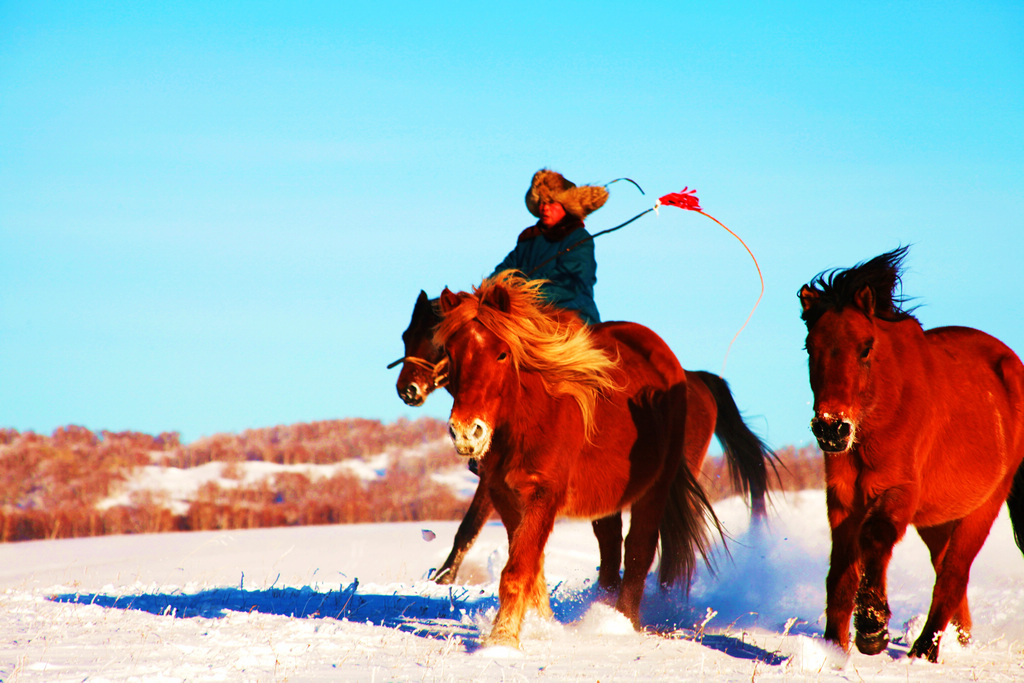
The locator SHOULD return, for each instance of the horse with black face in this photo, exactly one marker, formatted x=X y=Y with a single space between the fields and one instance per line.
x=575 y=420
x=919 y=427
x=710 y=401
x=424 y=364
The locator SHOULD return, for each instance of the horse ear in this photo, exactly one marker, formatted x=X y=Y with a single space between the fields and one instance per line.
x=864 y=299
x=422 y=302
x=448 y=300
x=808 y=297
x=500 y=299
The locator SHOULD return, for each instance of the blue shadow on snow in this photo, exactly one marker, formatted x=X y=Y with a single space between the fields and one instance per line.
x=437 y=617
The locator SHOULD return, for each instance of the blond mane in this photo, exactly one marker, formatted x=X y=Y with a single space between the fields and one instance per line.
x=549 y=341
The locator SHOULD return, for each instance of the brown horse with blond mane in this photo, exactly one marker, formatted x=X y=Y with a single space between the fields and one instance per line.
x=579 y=421
x=921 y=427
x=709 y=401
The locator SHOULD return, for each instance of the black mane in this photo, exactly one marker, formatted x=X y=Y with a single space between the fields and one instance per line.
x=837 y=288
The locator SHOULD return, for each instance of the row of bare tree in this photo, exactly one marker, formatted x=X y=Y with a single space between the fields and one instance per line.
x=51 y=486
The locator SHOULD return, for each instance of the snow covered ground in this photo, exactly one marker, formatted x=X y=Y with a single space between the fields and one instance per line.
x=351 y=603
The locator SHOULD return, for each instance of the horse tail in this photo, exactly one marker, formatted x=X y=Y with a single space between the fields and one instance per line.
x=1015 y=504
x=748 y=457
x=686 y=525
x=685 y=529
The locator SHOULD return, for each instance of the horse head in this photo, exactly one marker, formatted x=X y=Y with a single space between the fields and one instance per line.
x=423 y=366
x=839 y=348
x=844 y=312
x=480 y=369
x=505 y=340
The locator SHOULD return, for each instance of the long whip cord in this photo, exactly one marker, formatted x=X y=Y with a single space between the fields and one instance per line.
x=687 y=200
x=759 y=296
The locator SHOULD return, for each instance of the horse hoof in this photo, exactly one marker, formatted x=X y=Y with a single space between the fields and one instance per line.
x=874 y=643
x=501 y=640
x=871 y=623
x=927 y=649
x=607 y=596
x=610 y=586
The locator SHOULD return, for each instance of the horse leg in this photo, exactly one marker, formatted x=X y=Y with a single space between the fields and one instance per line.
x=476 y=516
x=608 y=531
x=843 y=577
x=883 y=527
x=937 y=540
x=949 y=596
x=640 y=545
x=536 y=594
x=539 y=598
x=646 y=515
x=521 y=579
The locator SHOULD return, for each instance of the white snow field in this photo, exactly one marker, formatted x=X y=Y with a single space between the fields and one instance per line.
x=352 y=603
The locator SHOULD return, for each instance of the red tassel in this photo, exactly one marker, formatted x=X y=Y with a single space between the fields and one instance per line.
x=685 y=199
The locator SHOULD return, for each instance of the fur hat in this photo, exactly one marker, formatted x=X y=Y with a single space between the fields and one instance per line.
x=549 y=186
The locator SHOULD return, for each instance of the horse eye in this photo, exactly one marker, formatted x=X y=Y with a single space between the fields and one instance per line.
x=866 y=351
x=502 y=356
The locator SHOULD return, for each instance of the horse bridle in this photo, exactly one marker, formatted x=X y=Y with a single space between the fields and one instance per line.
x=438 y=370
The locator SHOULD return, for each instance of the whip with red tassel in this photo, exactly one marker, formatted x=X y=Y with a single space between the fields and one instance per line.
x=687 y=199
x=684 y=199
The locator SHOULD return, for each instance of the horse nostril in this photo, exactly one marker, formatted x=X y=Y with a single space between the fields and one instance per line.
x=832 y=433
x=410 y=394
x=478 y=431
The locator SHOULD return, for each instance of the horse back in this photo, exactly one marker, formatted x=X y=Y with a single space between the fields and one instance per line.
x=979 y=371
x=641 y=350
x=979 y=382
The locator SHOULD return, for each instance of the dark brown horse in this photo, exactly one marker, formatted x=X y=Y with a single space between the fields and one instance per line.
x=424 y=364
x=922 y=428
x=424 y=369
x=574 y=420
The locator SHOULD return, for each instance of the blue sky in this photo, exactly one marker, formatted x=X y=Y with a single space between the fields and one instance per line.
x=217 y=216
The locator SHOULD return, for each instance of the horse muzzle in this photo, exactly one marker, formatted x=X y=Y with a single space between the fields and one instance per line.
x=472 y=439
x=412 y=395
x=834 y=433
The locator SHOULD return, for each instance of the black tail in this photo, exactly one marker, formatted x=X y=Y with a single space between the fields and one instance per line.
x=1015 y=504
x=688 y=521
x=747 y=455
x=685 y=530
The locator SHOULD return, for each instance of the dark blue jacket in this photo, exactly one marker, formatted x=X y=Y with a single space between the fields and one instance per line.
x=571 y=274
